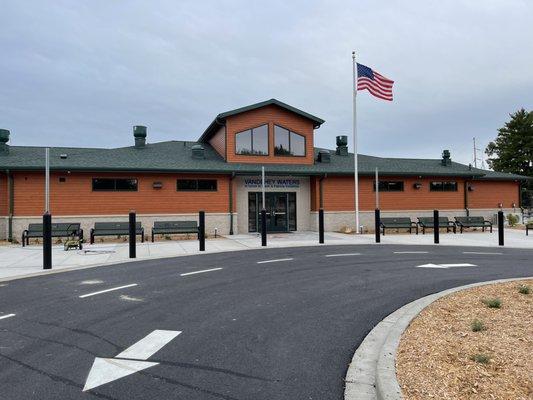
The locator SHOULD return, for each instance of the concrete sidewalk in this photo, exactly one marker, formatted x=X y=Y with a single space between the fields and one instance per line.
x=17 y=261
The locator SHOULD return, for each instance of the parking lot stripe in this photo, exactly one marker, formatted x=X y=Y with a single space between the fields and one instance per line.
x=482 y=253
x=7 y=316
x=411 y=252
x=200 y=272
x=107 y=290
x=343 y=255
x=276 y=260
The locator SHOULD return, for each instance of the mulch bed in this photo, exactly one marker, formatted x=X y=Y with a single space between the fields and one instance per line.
x=435 y=356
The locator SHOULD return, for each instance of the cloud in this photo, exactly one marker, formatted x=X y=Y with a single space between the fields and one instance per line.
x=81 y=74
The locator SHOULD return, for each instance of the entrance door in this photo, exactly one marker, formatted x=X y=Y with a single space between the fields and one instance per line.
x=276 y=212
x=280 y=211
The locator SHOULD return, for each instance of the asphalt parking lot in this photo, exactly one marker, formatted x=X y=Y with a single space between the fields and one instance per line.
x=260 y=324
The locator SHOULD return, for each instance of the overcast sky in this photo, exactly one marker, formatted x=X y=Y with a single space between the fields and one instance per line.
x=82 y=73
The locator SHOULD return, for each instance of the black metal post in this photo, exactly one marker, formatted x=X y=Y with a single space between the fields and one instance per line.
x=263 y=228
x=377 y=223
x=132 y=232
x=500 y=228
x=47 y=241
x=321 y=226
x=201 y=230
x=436 y=226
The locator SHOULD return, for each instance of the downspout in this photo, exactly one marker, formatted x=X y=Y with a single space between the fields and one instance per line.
x=321 y=191
x=11 y=205
x=466 y=198
x=231 y=203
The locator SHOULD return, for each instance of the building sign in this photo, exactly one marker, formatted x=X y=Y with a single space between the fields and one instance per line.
x=272 y=183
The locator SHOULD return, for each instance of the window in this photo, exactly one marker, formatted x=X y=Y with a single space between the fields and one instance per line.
x=288 y=143
x=114 y=185
x=443 y=186
x=197 y=185
x=253 y=142
x=389 y=186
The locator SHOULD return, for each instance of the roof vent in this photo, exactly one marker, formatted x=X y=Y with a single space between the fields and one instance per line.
x=446 y=158
x=139 y=133
x=342 y=146
x=198 y=151
x=324 y=157
x=4 y=138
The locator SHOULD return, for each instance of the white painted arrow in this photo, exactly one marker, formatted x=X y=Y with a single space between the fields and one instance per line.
x=446 y=265
x=105 y=370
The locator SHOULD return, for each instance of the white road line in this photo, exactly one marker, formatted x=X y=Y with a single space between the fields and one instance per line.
x=107 y=290
x=273 y=261
x=481 y=252
x=7 y=316
x=458 y=265
x=200 y=272
x=148 y=345
x=343 y=255
x=411 y=252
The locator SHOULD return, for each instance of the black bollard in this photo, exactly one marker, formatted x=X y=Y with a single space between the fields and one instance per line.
x=263 y=228
x=47 y=241
x=201 y=230
x=377 y=222
x=321 y=226
x=500 y=228
x=436 y=226
x=132 y=232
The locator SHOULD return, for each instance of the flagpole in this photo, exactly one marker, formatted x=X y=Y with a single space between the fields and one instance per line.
x=355 y=163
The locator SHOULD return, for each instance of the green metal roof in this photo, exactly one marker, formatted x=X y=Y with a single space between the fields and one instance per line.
x=221 y=118
x=176 y=156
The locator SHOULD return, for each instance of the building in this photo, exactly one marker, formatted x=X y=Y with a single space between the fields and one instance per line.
x=220 y=173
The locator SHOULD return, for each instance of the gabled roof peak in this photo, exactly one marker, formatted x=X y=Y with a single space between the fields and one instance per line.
x=220 y=118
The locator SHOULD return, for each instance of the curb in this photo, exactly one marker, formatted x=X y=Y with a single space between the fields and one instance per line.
x=372 y=373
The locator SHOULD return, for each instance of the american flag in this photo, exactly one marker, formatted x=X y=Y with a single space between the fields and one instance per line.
x=375 y=83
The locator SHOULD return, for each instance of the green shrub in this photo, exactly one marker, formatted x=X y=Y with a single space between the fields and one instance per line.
x=480 y=358
x=524 y=289
x=477 y=326
x=492 y=303
x=512 y=219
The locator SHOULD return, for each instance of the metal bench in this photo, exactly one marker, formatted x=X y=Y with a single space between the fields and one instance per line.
x=398 y=223
x=529 y=226
x=174 y=227
x=62 y=229
x=115 y=229
x=444 y=222
x=473 y=222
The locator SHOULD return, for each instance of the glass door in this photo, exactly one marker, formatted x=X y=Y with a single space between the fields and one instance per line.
x=276 y=212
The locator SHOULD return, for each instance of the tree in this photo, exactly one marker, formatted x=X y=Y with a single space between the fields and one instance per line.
x=512 y=151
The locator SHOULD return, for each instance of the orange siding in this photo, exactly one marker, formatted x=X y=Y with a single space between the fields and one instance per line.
x=3 y=195
x=269 y=115
x=339 y=195
x=218 y=141
x=488 y=194
x=75 y=196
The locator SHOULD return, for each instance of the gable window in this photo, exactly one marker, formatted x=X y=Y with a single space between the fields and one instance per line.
x=389 y=186
x=196 y=185
x=445 y=186
x=114 y=185
x=288 y=143
x=252 y=142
